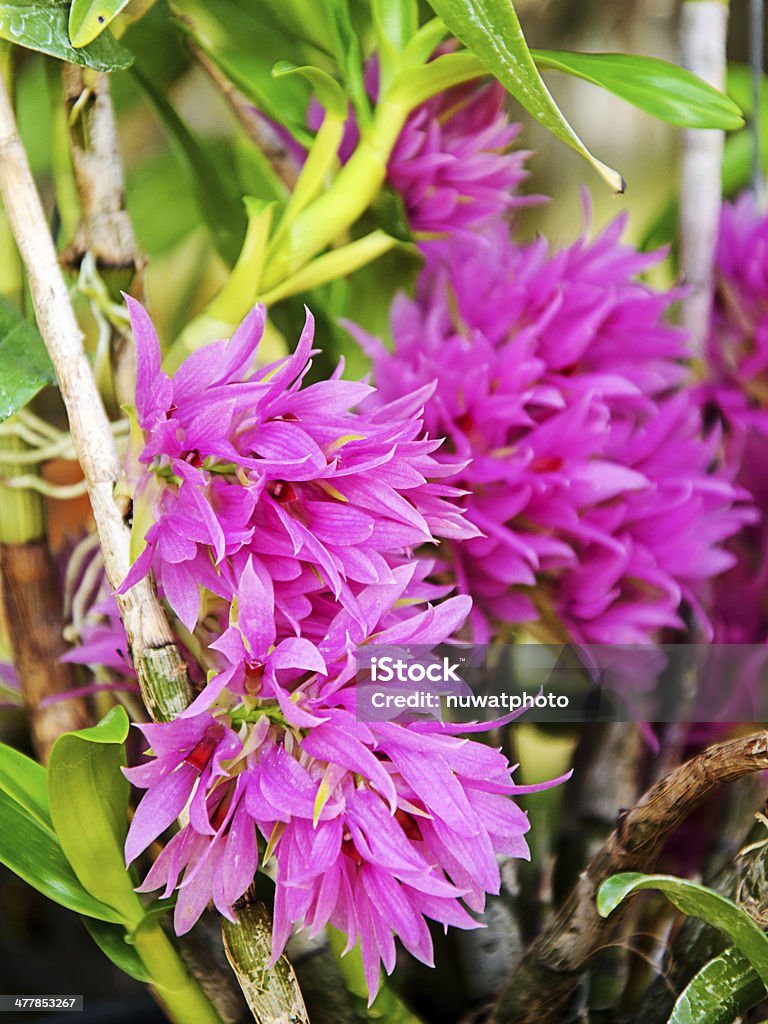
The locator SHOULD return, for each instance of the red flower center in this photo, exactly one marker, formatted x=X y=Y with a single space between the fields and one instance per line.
x=200 y=755
x=283 y=492
x=408 y=824
x=547 y=464
x=254 y=672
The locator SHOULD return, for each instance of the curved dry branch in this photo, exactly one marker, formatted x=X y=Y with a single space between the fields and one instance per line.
x=544 y=980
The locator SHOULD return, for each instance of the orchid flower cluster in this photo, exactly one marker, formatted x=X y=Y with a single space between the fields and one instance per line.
x=562 y=390
x=452 y=164
x=284 y=518
x=736 y=395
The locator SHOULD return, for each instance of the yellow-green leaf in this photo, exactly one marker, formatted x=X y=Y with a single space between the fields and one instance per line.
x=88 y=795
x=89 y=18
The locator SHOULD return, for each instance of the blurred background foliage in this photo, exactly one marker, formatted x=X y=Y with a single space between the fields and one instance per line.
x=178 y=171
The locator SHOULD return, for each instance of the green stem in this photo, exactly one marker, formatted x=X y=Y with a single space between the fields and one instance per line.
x=387 y=1006
x=263 y=267
x=335 y=211
x=182 y=997
x=165 y=686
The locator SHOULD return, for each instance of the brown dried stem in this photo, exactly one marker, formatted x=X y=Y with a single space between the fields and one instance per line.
x=544 y=980
x=258 y=130
x=30 y=596
x=30 y=608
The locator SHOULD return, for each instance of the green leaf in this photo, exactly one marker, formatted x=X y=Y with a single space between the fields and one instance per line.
x=298 y=21
x=112 y=942
x=696 y=901
x=737 y=158
x=89 y=18
x=723 y=990
x=396 y=21
x=491 y=29
x=662 y=89
x=25 y=367
x=215 y=187
x=349 y=56
x=33 y=852
x=328 y=91
x=89 y=807
x=24 y=780
x=44 y=25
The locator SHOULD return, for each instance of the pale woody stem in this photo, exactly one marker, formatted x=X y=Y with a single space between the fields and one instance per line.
x=704 y=32
x=145 y=623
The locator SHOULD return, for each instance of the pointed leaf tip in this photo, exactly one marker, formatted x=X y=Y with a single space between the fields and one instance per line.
x=493 y=32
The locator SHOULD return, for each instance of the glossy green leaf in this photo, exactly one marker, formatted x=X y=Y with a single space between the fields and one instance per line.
x=722 y=991
x=25 y=367
x=89 y=18
x=215 y=188
x=662 y=89
x=111 y=941
x=44 y=25
x=24 y=780
x=696 y=901
x=33 y=852
x=491 y=29
x=88 y=795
